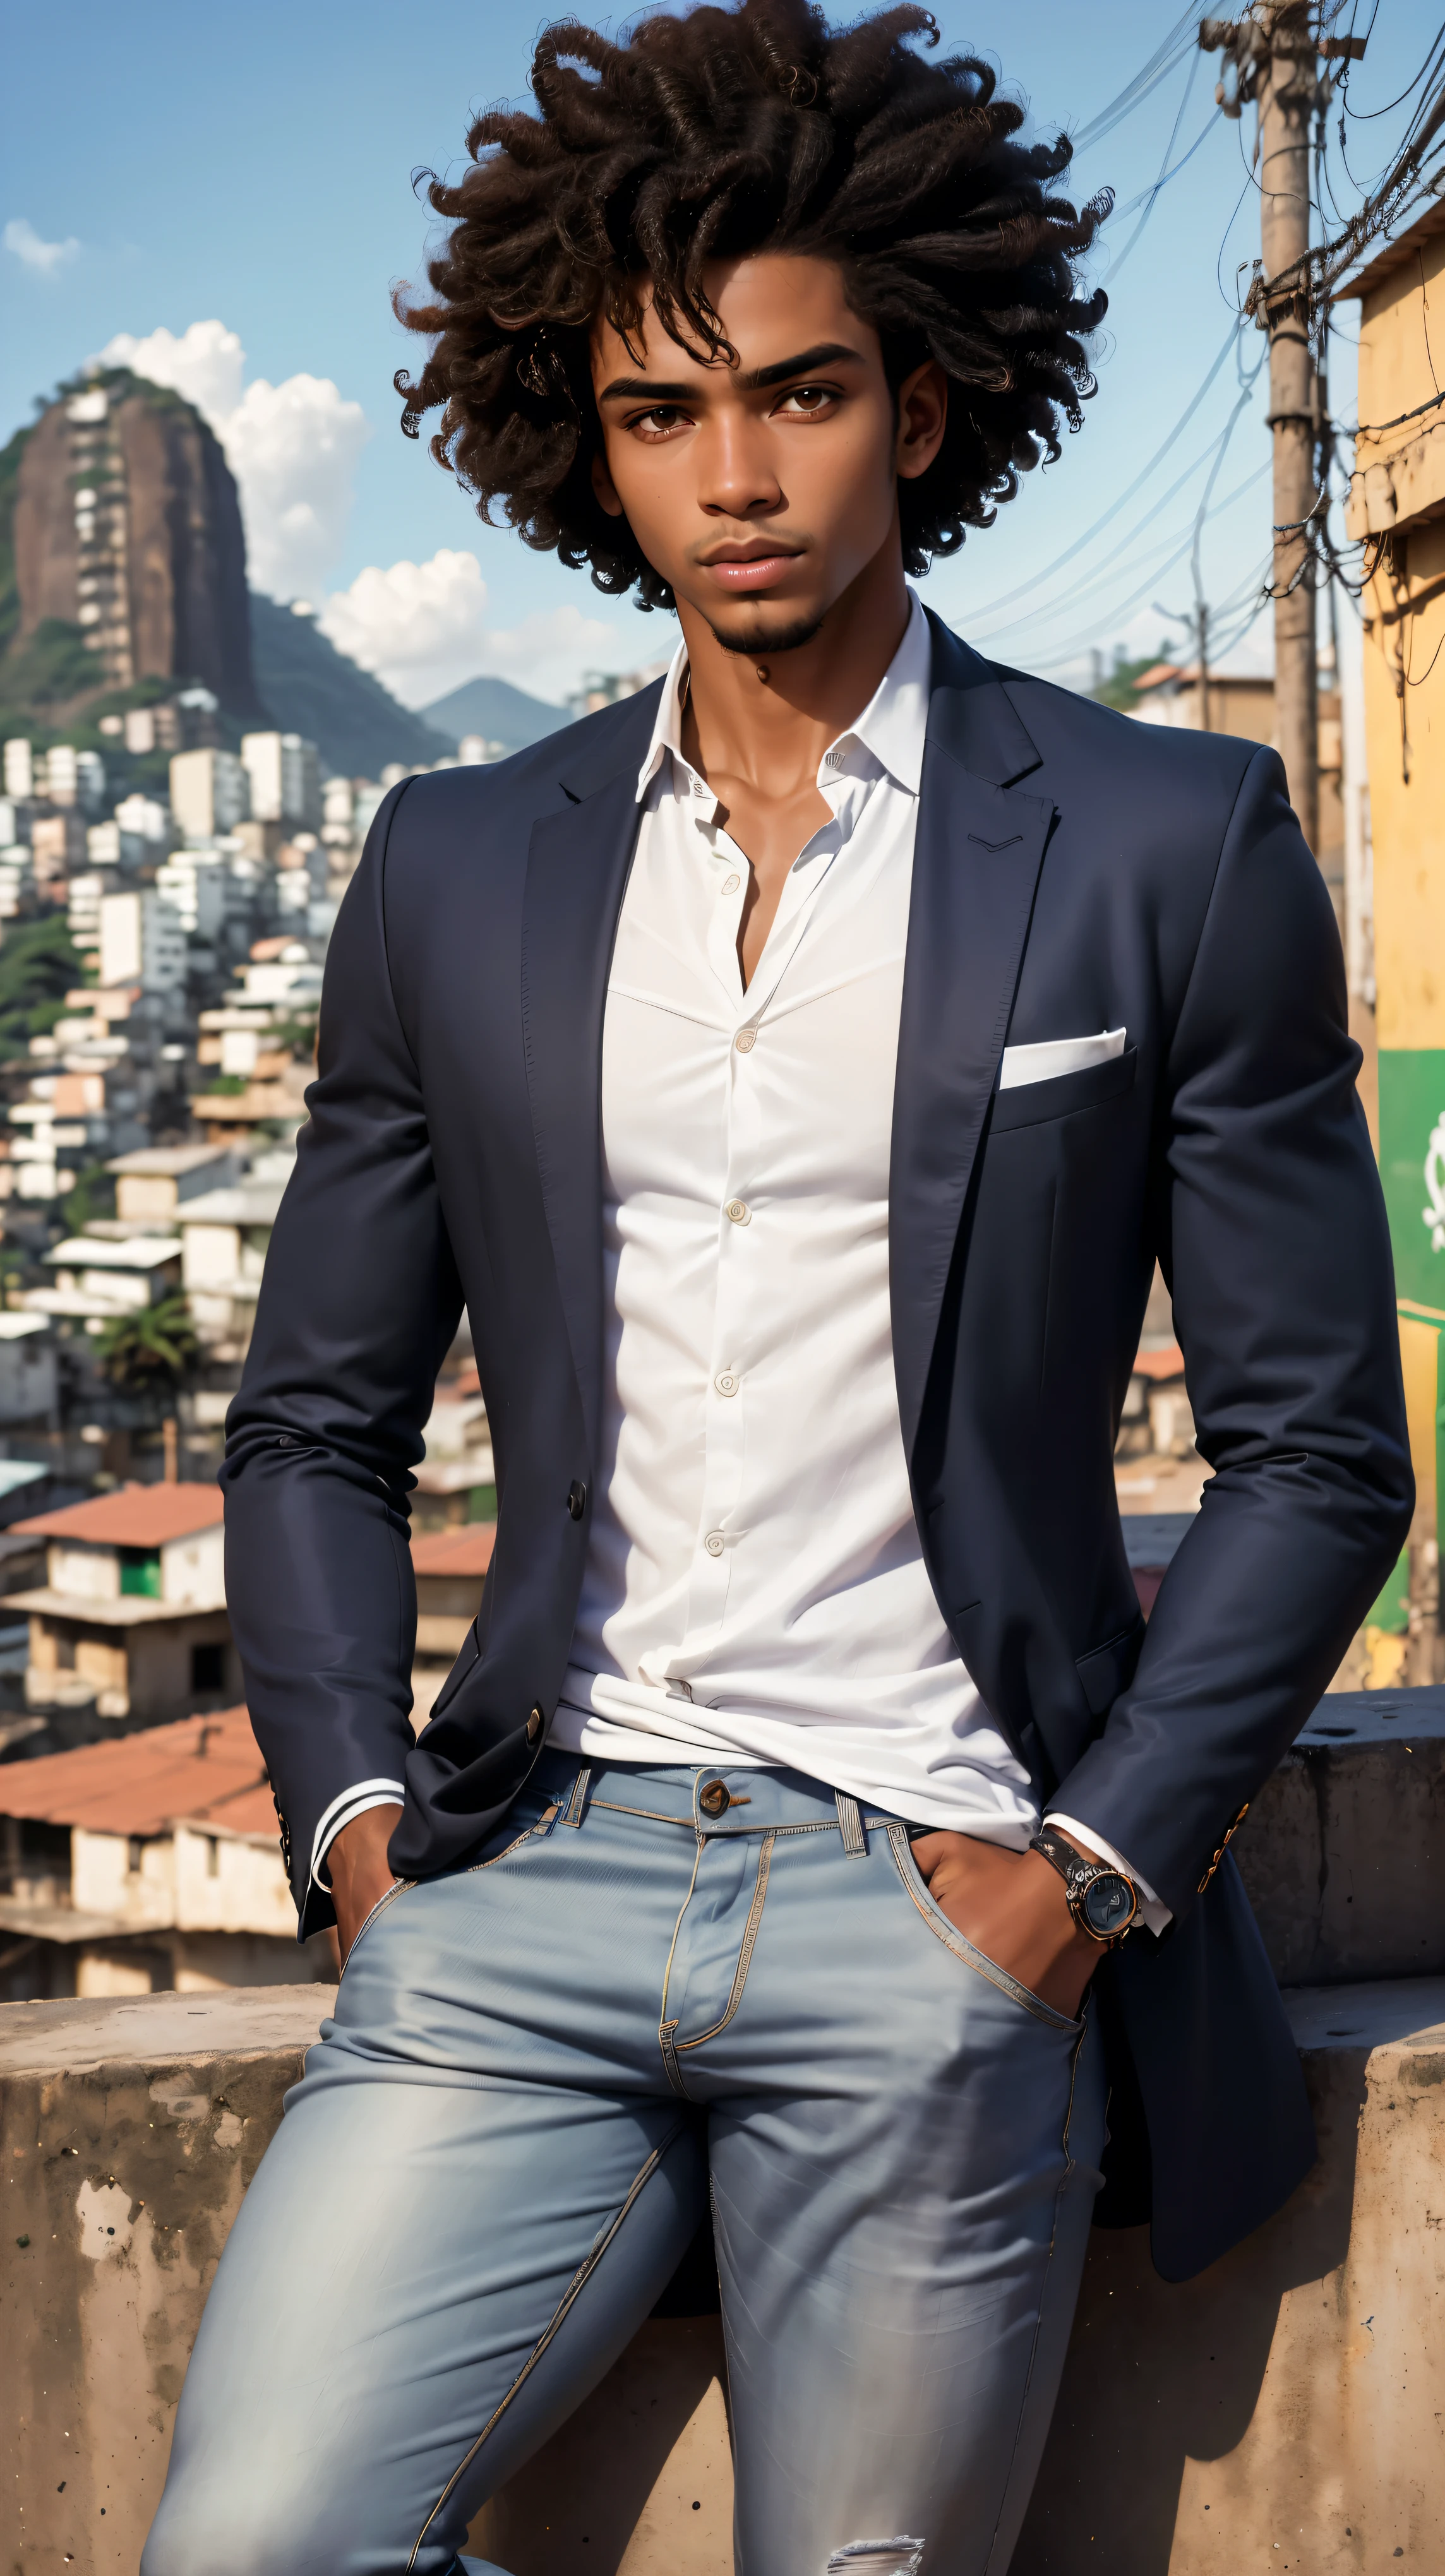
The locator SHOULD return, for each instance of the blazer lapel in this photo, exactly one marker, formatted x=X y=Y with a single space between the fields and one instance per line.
x=979 y=847
x=577 y=868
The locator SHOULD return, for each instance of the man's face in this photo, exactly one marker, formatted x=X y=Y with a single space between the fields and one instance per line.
x=762 y=491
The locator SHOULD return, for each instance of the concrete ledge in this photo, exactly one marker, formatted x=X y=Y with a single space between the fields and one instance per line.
x=1284 y=2411
x=1343 y=1851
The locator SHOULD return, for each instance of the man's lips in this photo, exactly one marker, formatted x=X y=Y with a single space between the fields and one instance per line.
x=749 y=572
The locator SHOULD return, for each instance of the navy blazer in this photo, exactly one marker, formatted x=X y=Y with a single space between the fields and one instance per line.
x=1073 y=871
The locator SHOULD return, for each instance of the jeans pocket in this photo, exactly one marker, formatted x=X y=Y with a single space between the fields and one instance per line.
x=958 y=1942
x=364 y=1926
x=528 y=1821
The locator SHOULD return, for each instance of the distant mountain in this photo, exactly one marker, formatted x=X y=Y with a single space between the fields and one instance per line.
x=122 y=558
x=311 y=689
x=498 y=712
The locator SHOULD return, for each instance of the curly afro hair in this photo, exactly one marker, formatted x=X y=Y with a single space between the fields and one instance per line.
x=717 y=135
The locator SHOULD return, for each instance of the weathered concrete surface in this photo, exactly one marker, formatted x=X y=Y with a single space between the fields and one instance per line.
x=129 y=2129
x=1343 y=1851
x=639 y=2482
x=1285 y=2412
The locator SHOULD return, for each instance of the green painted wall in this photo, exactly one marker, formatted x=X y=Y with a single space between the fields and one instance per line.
x=1412 y=1167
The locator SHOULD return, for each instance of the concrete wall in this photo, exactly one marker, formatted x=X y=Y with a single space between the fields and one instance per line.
x=1284 y=2412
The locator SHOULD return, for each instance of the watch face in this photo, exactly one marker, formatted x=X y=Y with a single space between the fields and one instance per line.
x=1108 y=1904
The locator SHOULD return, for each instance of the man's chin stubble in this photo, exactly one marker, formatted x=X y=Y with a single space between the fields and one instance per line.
x=758 y=645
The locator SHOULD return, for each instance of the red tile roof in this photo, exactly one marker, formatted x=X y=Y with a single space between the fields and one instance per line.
x=136 y=1516
x=206 y=1769
x=1166 y=1363
x=467 y=1550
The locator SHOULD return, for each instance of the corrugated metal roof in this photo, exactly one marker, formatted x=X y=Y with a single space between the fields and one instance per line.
x=136 y=1516
x=207 y=1770
x=467 y=1550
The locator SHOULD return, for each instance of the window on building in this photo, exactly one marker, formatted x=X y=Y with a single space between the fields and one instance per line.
x=213 y=1857
x=140 y=1572
x=133 y=1853
x=208 y=1668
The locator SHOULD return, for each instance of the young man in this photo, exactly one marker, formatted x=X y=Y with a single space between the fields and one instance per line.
x=796 y=1072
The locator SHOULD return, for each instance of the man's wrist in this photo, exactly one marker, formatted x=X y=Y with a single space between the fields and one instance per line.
x=1103 y=1900
x=357 y=1800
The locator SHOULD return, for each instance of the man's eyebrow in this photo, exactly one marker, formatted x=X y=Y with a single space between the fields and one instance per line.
x=649 y=389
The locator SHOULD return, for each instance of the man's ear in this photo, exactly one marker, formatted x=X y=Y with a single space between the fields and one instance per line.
x=604 y=487
x=922 y=403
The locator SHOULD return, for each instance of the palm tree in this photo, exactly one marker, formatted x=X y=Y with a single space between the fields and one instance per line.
x=152 y=1352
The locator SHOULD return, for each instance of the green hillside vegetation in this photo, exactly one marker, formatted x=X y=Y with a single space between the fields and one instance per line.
x=311 y=689
x=38 y=967
x=1118 y=690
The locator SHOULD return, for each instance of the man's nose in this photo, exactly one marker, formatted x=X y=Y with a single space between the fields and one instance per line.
x=736 y=478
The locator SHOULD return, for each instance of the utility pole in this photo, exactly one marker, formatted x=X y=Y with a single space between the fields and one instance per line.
x=1272 y=52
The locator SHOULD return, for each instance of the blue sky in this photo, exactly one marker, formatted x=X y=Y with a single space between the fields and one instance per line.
x=165 y=167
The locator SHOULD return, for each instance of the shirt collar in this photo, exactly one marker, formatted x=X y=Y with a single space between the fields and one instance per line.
x=891 y=727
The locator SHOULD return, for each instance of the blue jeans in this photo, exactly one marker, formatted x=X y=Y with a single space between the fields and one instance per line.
x=537 y=2068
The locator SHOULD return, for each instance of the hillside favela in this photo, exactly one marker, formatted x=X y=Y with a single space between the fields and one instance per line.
x=189 y=773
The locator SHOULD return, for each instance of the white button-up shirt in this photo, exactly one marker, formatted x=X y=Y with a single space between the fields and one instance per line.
x=755 y=1589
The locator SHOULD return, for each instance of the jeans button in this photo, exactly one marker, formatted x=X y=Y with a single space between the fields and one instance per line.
x=713 y=1798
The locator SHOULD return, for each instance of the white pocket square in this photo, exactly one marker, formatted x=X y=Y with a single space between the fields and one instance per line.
x=1045 y=1062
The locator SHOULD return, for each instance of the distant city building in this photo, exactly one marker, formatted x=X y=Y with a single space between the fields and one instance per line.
x=57 y=843
x=146 y=818
x=142 y=942
x=19 y=768
x=87 y=892
x=193 y=883
x=285 y=779
x=210 y=792
x=152 y=1184
x=131 y=1618
x=149 y=1863
x=605 y=688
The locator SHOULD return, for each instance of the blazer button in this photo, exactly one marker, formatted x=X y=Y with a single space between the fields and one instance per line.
x=535 y=1723
x=576 y=1499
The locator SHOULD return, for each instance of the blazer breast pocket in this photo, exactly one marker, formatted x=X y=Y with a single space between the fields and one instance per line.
x=1029 y=1103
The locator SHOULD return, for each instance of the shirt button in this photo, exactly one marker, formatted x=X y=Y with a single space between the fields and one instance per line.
x=745 y=1041
x=739 y=1212
x=726 y=1383
x=714 y=1542
x=730 y=885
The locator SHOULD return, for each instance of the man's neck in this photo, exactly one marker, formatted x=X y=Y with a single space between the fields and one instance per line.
x=766 y=719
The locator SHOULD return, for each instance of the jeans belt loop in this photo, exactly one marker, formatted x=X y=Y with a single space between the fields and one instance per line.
x=850 y=1826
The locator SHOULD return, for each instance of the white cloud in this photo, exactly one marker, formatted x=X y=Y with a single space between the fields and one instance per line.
x=21 y=238
x=292 y=447
x=205 y=364
x=422 y=628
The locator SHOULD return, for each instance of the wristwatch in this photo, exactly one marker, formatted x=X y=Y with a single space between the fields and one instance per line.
x=1102 y=1901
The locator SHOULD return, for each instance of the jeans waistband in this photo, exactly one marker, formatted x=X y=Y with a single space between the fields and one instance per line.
x=706 y=1797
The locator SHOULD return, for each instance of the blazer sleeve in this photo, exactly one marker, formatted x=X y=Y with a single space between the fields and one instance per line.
x=1273 y=1239
x=359 y=1302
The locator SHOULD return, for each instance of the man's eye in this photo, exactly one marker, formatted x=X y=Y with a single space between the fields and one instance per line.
x=809 y=397
x=665 y=417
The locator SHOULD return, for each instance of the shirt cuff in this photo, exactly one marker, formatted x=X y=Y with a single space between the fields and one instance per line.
x=1153 y=1912
x=352 y=1802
